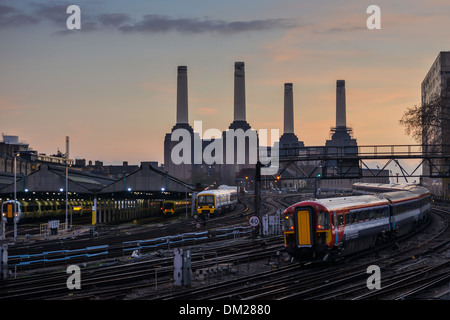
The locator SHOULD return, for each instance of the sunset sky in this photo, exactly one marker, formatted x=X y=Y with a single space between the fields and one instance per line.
x=111 y=86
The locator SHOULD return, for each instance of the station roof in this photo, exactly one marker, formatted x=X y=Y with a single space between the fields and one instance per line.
x=52 y=178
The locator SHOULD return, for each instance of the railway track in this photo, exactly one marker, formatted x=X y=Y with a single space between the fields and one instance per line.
x=405 y=272
x=419 y=264
x=115 y=278
x=114 y=237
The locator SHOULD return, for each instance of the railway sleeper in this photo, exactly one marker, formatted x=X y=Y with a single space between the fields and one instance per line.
x=214 y=271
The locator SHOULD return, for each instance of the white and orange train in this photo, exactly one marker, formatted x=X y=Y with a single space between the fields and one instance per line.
x=328 y=229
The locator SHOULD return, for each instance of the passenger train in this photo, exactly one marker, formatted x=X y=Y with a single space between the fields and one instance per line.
x=171 y=207
x=42 y=210
x=213 y=202
x=329 y=229
x=371 y=188
x=11 y=211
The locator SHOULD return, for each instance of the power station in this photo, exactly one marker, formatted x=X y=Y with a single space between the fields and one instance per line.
x=229 y=172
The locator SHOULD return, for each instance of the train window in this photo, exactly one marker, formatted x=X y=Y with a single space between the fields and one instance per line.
x=347 y=218
x=362 y=216
x=168 y=205
x=323 y=220
x=206 y=200
x=379 y=213
x=372 y=214
x=340 y=220
x=289 y=222
x=354 y=217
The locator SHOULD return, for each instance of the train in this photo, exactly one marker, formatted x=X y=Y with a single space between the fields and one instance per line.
x=210 y=203
x=43 y=210
x=330 y=229
x=371 y=188
x=172 y=207
x=12 y=211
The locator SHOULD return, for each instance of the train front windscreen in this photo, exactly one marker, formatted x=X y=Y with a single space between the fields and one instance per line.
x=169 y=205
x=206 y=200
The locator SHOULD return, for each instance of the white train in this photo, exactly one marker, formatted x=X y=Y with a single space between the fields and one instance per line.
x=217 y=201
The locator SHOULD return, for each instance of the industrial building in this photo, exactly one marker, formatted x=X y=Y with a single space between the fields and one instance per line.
x=193 y=167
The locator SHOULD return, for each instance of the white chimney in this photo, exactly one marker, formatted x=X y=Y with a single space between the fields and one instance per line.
x=182 y=95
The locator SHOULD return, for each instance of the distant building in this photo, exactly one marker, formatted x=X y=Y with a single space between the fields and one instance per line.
x=11 y=147
x=198 y=169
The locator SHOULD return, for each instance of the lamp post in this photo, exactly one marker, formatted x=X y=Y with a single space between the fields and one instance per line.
x=15 y=196
x=67 y=181
x=67 y=197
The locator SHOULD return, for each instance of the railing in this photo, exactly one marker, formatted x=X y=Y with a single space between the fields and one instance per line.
x=171 y=241
x=45 y=257
x=163 y=241
x=45 y=230
x=156 y=243
x=365 y=152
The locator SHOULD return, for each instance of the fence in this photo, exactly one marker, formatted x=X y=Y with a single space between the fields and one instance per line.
x=45 y=257
x=162 y=242
x=193 y=238
x=156 y=243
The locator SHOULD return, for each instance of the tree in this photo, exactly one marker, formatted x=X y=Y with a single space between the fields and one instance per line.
x=428 y=123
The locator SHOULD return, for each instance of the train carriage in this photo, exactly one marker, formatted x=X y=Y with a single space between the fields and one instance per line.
x=328 y=229
x=316 y=229
x=409 y=209
x=11 y=211
x=213 y=202
x=171 y=207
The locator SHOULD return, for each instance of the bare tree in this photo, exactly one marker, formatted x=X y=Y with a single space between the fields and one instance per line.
x=428 y=123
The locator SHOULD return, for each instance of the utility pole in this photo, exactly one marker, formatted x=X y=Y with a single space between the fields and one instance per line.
x=258 y=195
x=67 y=181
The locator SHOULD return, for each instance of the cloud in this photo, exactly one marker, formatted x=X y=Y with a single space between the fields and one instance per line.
x=159 y=23
x=12 y=18
x=150 y=23
x=113 y=19
x=51 y=12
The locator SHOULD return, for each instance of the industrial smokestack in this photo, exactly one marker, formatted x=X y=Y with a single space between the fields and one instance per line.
x=239 y=91
x=288 y=109
x=67 y=148
x=340 y=104
x=182 y=95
